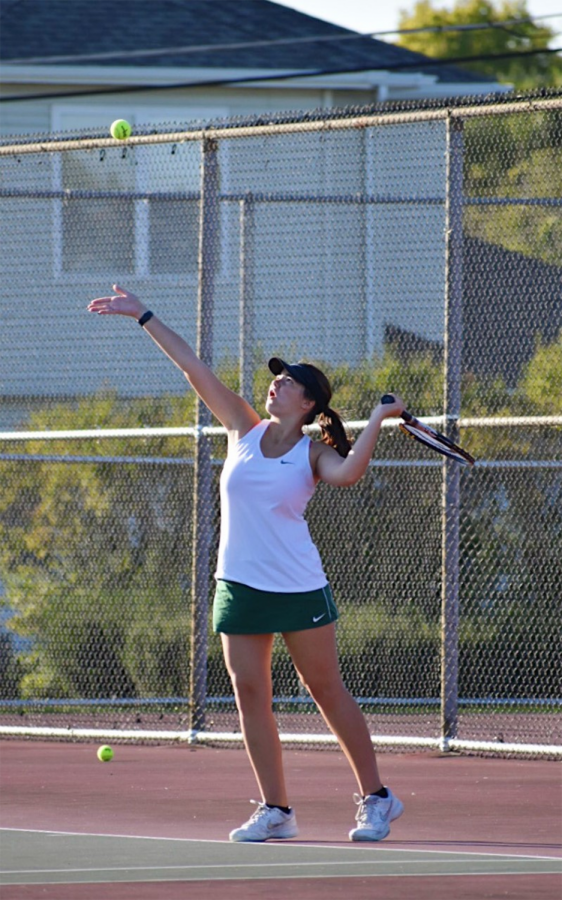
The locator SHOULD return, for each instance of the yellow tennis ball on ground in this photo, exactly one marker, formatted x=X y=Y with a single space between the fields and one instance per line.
x=121 y=130
x=105 y=754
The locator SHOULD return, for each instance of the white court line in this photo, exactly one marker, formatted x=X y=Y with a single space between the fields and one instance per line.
x=281 y=877
x=462 y=853
x=132 y=837
x=355 y=847
x=215 y=866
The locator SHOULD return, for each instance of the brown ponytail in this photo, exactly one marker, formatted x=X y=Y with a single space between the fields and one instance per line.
x=333 y=432
x=319 y=390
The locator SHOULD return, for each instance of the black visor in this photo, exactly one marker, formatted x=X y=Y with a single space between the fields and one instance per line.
x=302 y=373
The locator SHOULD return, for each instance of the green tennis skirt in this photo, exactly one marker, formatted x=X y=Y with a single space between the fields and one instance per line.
x=239 y=609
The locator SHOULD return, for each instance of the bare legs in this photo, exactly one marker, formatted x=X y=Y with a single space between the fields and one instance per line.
x=314 y=655
x=248 y=660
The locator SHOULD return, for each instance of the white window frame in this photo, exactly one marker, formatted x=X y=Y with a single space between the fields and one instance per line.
x=63 y=116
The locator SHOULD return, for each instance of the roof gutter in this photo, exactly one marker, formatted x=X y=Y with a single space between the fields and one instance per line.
x=133 y=76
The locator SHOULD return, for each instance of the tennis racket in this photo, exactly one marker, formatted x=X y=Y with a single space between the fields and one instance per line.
x=427 y=435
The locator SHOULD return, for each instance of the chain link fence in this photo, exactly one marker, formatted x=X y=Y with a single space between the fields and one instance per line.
x=412 y=248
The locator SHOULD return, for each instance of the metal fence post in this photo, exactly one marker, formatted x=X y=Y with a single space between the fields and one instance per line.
x=209 y=245
x=247 y=232
x=452 y=406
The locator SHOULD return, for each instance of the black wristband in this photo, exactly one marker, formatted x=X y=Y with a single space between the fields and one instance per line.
x=145 y=318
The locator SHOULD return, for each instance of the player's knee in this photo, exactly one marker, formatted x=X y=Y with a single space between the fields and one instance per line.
x=250 y=692
x=325 y=691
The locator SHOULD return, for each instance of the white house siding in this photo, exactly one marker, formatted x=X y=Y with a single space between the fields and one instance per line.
x=308 y=277
x=338 y=274
x=50 y=344
x=29 y=117
x=327 y=278
x=405 y=260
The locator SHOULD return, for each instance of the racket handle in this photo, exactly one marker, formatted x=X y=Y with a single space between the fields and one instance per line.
x=389 y=398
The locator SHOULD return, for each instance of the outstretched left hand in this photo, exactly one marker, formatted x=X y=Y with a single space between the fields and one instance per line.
x=122 y=303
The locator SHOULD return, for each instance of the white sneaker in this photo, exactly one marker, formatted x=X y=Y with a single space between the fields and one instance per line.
x=266 y=824
x=374 y=816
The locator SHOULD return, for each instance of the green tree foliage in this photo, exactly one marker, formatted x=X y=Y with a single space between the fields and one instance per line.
x=81 y=552
x=524 y=72
x=95 y=556
x=10 y=668
x=542 y=379
x=514 y=158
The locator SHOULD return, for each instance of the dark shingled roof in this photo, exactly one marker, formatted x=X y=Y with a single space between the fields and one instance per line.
x=30 y=28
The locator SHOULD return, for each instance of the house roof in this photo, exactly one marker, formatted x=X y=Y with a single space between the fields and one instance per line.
x=70 y=28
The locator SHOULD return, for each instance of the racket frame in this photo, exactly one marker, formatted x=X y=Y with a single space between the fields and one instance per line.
x=448 y=448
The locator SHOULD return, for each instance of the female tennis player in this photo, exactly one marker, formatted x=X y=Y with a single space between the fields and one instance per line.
x=270 y=577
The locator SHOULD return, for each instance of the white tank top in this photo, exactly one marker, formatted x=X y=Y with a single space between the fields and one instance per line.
x=264 y=541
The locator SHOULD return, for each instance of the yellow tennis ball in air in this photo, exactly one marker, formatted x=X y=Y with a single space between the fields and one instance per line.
x=105 y=754
x=121 y=130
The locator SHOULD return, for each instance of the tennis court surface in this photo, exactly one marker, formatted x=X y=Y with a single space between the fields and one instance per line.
x=154 y=823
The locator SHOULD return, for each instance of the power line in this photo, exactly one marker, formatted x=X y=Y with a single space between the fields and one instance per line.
x=425 y=63
x=191 y=49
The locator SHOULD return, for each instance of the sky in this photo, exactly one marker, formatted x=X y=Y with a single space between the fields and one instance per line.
x=382 y=15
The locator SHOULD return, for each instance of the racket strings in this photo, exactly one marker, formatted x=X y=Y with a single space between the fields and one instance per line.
x=436 y=441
